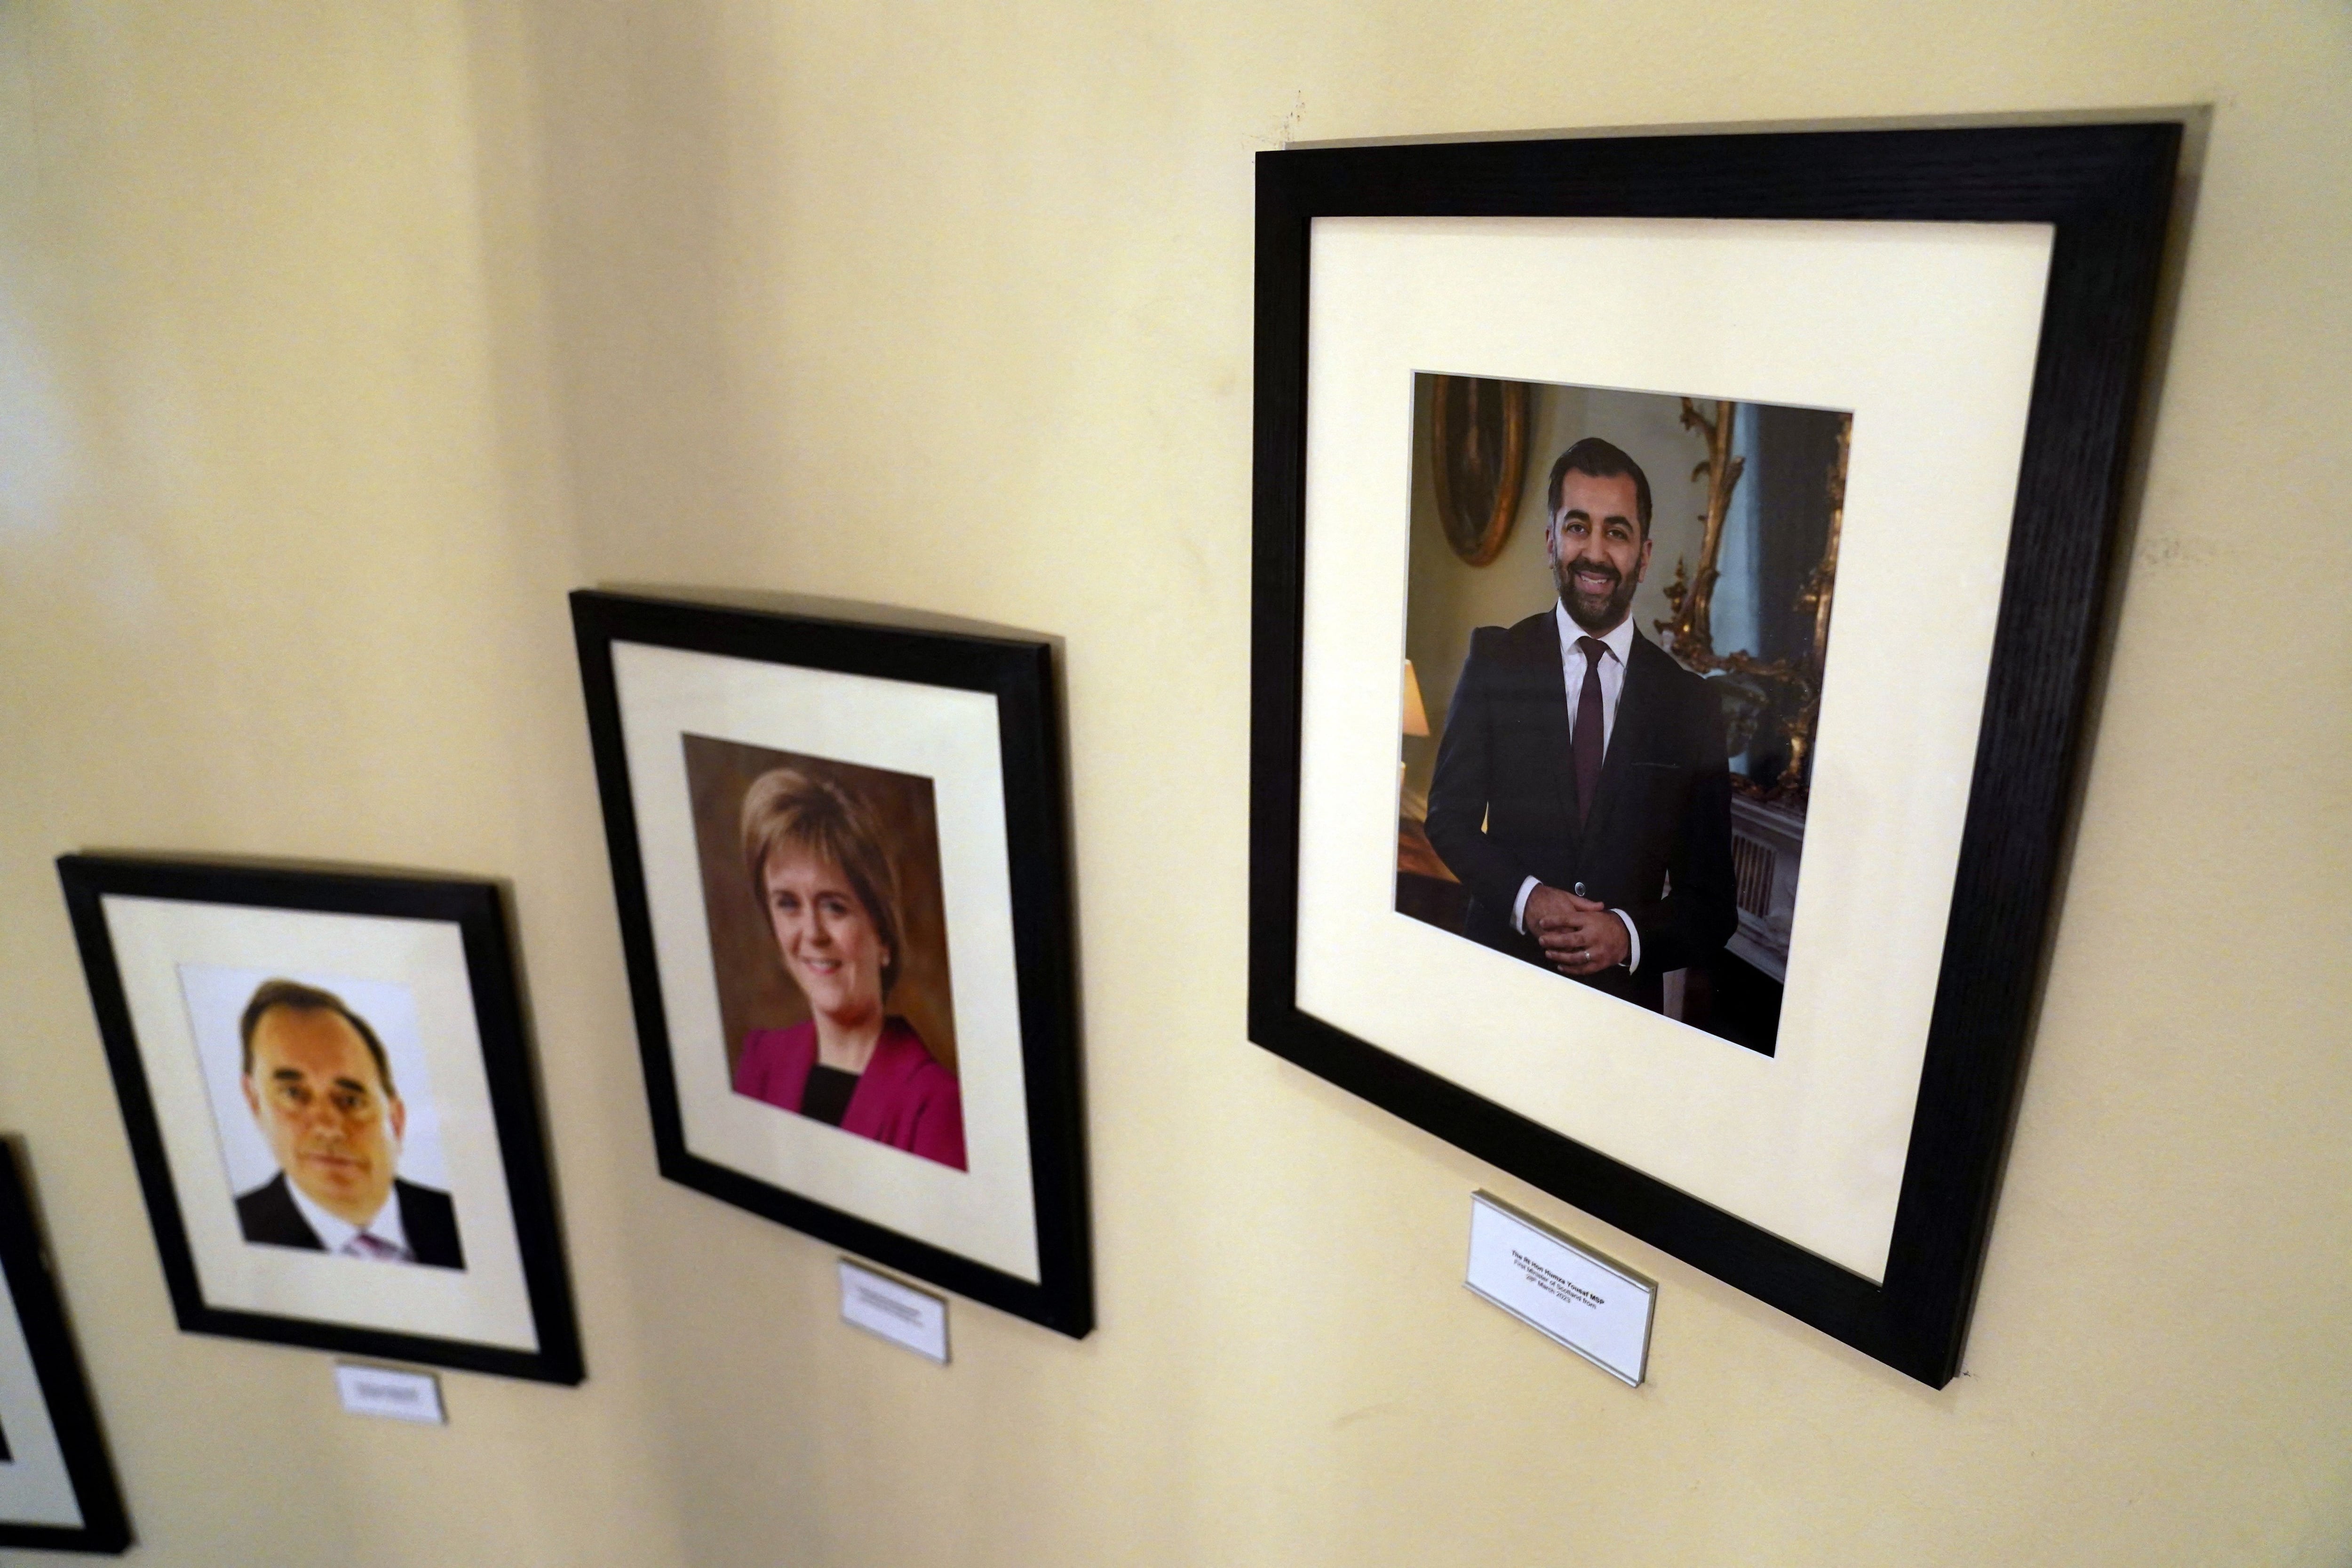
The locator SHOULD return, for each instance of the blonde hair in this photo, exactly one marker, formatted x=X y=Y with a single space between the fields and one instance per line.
x=787 y=808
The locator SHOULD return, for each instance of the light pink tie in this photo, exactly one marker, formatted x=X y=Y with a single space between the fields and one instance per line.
x=363 y=1244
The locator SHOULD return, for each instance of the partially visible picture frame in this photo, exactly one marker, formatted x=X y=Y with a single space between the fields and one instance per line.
x=1962 y=317
x=57 y=1490
x=841 y=864
x=330 y=1099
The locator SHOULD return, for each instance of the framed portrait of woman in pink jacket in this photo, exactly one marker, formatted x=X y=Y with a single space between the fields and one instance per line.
x=838 y=850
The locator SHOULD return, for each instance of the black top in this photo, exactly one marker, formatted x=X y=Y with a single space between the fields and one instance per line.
x=826 y=1094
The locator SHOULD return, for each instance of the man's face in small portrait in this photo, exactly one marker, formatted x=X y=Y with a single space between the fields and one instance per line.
x=318 y=1098
x=1598 y=552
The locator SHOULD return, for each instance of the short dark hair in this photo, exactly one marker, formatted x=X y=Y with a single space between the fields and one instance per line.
x=1601 y=461
x=308 y=999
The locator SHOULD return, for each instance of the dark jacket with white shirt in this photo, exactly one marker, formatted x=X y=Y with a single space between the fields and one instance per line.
x=1656 y=843
x=268 y=1215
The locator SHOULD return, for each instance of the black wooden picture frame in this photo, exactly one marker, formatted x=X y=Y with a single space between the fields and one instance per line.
x=2106 y=190
x=477 y=910
x=73 y=1415
x=1019 y=675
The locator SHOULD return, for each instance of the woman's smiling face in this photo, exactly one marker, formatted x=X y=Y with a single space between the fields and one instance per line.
x=827 y=940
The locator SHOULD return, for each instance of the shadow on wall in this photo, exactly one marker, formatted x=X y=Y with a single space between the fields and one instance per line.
x=661 y=181
x=630 y=178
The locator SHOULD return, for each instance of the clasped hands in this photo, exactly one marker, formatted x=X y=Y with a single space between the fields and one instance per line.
x=1580 y=936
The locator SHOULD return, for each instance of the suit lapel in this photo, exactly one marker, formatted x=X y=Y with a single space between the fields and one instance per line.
x=1628 y=738
x=289 y=1214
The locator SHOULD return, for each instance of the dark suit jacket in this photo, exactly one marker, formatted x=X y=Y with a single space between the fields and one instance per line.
x=268 y=1216
x=1661 y=817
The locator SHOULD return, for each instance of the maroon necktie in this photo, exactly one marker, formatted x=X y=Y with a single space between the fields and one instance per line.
x=1590 y=738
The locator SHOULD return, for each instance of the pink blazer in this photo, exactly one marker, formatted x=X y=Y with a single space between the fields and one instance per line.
x=903 y=1098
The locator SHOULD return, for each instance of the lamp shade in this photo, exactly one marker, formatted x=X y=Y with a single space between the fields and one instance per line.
x=1416 y=717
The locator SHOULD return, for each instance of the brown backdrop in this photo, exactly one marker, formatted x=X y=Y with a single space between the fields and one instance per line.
x=754 y=990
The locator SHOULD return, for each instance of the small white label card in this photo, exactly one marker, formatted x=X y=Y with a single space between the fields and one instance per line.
x=899 y=1313
x=386 y=1391
x=1560 y=1289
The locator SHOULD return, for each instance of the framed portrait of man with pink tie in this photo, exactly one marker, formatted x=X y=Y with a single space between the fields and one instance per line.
x=1679 y=567
x=328 y=1098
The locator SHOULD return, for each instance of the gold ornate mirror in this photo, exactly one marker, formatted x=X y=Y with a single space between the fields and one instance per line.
x=1771 y=691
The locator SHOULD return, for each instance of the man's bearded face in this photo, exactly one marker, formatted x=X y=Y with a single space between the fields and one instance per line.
x=1598 y=549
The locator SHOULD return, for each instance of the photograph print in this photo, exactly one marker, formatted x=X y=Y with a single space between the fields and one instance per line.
x=821 y=884
x=840 y=867
x=326 y=1087
x=1617 y=616
x=327 y=1147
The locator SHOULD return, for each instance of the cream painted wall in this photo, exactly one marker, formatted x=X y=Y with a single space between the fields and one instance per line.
x=337 y=342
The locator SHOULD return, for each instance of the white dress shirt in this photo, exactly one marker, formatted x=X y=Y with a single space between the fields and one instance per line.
x=335 y=1235
x=1619 y=642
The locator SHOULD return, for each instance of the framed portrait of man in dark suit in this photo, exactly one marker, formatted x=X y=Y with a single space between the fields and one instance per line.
x=1679 y=562
x=328 y=1099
